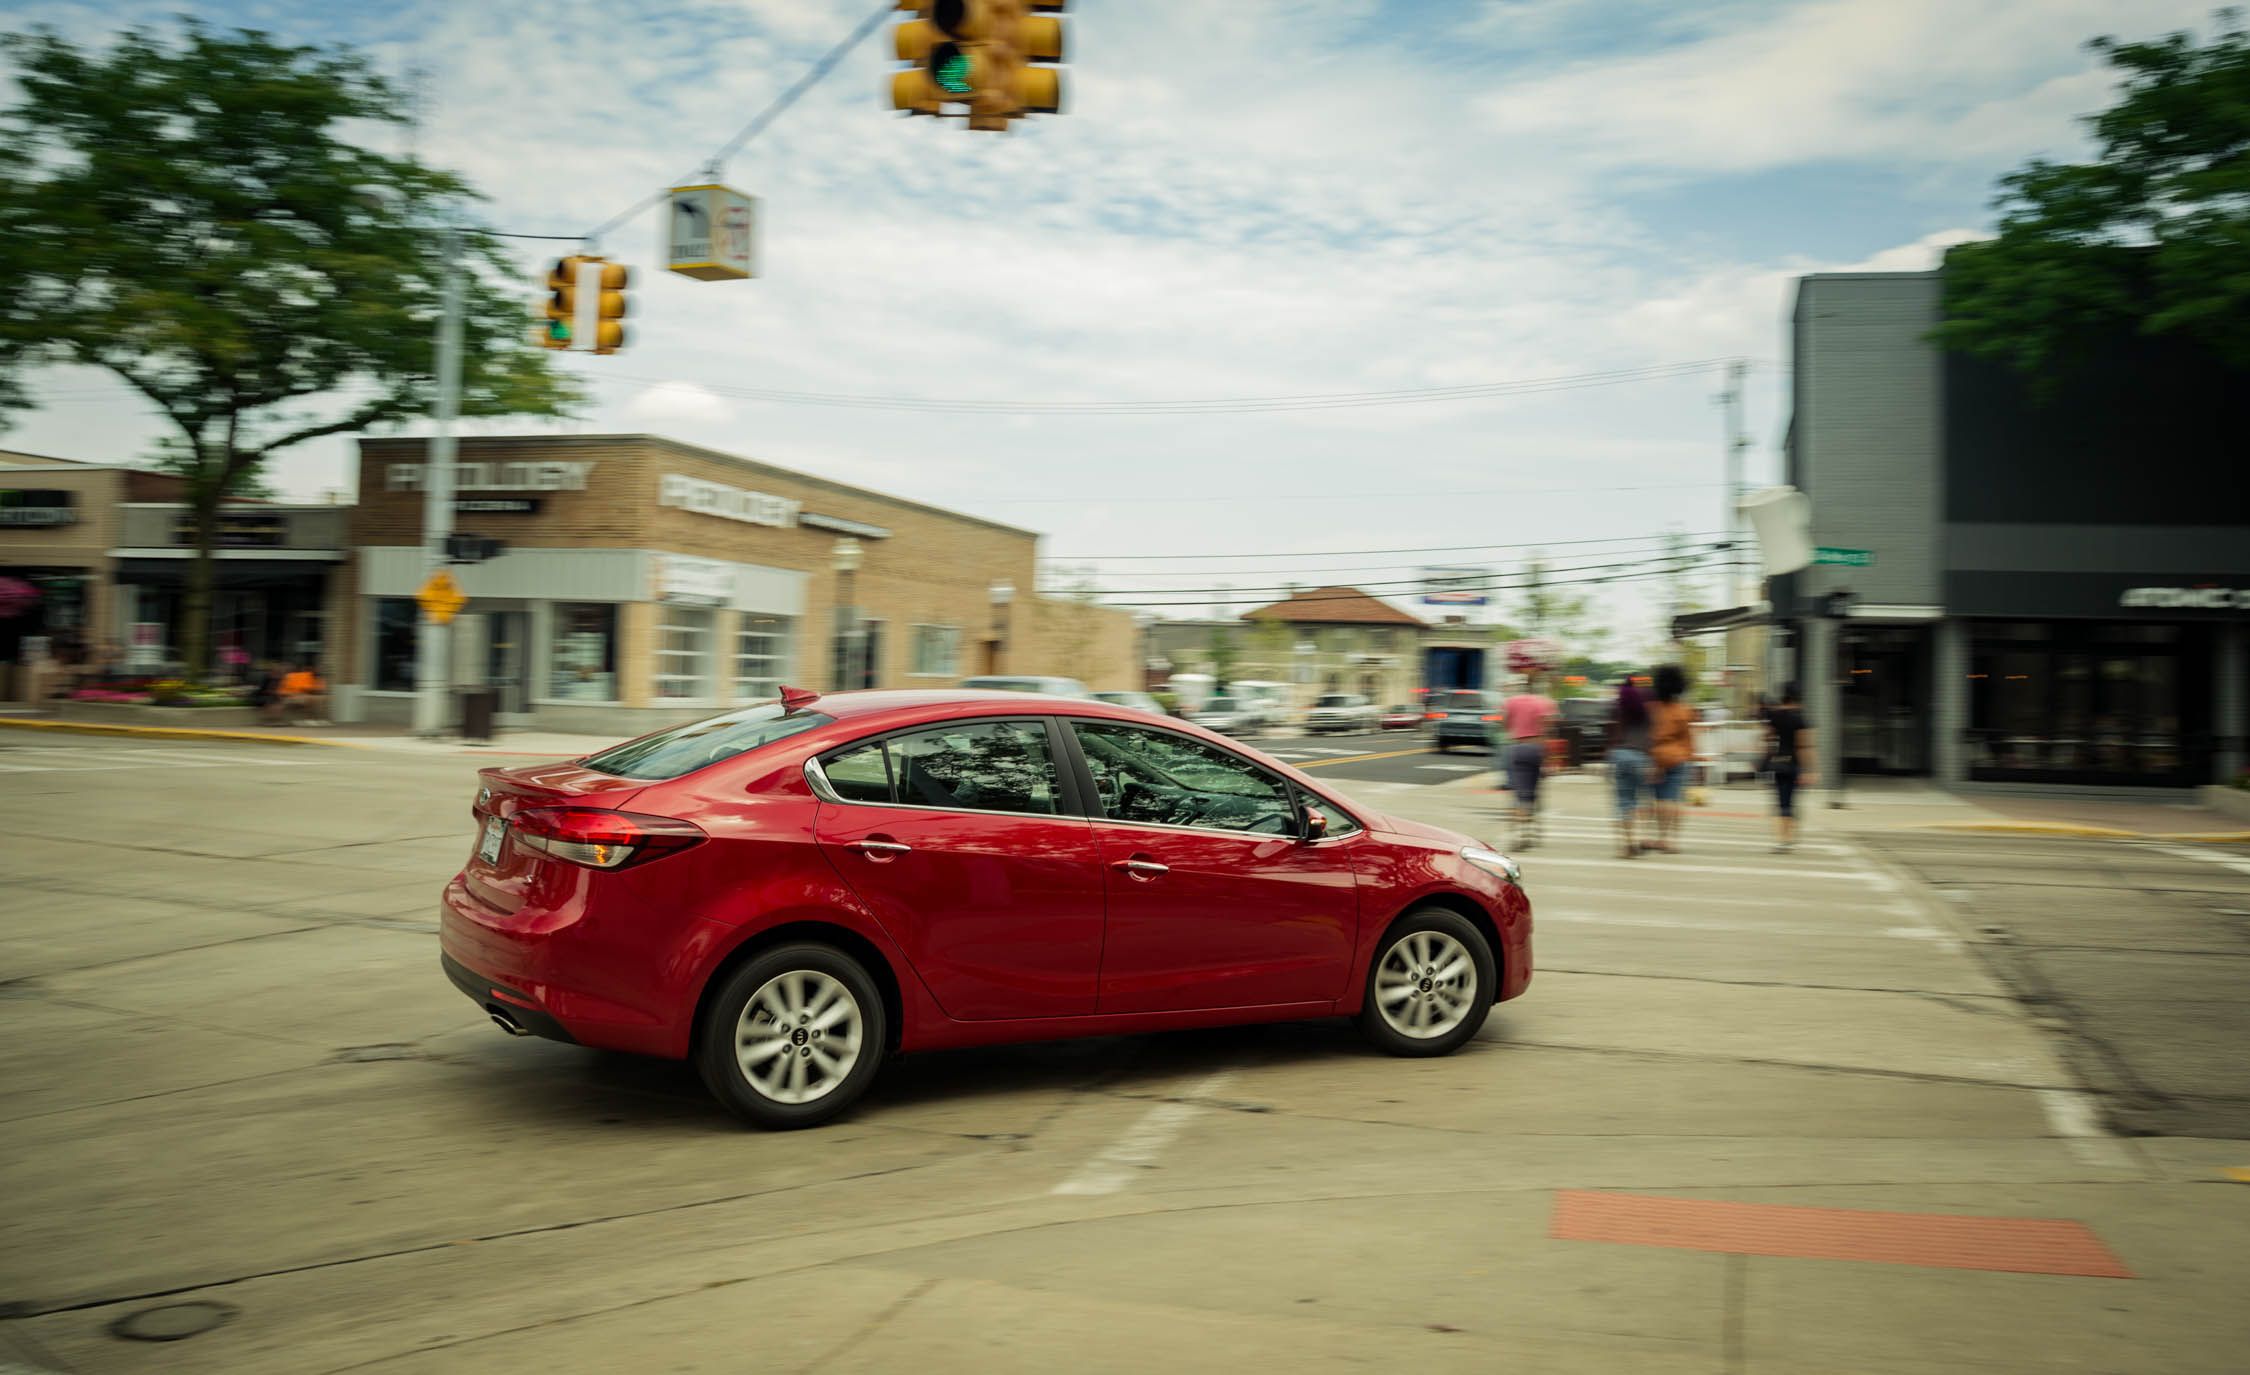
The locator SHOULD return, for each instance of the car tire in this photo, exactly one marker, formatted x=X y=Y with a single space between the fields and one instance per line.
x=798 y=1082
x=1428 y=1012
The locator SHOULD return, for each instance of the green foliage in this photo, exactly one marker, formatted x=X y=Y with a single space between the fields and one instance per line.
x=2153 y=236
x=195 y=218
x=1220 y=651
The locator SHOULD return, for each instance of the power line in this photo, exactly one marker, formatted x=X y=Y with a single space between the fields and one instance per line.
x=1684 y=558
x=1314 y=601
x=715 y=164
x=1631 y=556
x=1219 y=405
x=1355 y=553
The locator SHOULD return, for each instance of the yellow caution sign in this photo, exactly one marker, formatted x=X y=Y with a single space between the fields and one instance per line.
x=441 y=598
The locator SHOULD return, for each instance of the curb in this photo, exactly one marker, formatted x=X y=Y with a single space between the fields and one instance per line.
x=2067 y=828
x=174 y=733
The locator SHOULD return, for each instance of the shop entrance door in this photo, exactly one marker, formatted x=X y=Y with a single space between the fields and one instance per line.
x=1884 y=695
x=508 y=660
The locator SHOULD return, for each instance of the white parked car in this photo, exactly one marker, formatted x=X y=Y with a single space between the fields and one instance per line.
x=1342 y=711
x=1227 y=716
x=1138 y=701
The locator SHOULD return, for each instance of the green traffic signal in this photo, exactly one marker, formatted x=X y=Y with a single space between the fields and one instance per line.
x=949 y=67
x=559 y=331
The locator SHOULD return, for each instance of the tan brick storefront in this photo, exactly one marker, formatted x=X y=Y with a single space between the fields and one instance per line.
x=646 y=581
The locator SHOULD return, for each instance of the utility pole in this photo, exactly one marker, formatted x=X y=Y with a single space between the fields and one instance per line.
x=1738 y=582
x=437 y=493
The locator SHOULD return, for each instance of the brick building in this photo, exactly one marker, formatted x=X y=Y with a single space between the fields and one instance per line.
x=646 y=581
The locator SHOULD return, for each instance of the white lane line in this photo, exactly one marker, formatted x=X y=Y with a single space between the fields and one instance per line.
x=1763 y=928
x=1453 y=768
x=2075 y=1120
x=1319 y=749
x=1867 y=876
x=1114 y=1166
x=1642 y=895
x=2223 y=860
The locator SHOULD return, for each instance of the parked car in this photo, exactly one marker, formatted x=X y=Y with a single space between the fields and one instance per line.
x=1228 y=716
x=1341 y=711
x=1026 y=682
x=1262 y=698
x=1585 y=728
x=1138 y=701
x=1404 y=716
x=1458 y=717
x=1011 y=869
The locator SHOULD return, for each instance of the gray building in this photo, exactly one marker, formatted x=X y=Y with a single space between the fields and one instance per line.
x=2039 y=588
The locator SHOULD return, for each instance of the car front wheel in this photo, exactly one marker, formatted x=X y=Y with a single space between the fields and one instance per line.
x=794 y=1037
x=1430 y=984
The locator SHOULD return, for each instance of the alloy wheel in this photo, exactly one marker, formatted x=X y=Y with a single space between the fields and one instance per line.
x=1426 y=985
x=799 y=1036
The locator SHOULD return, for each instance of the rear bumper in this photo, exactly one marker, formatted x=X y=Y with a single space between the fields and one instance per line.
x=1473 y=734
x=517 y=1005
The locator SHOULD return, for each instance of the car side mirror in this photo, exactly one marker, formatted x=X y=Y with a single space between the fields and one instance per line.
x=1316 y=824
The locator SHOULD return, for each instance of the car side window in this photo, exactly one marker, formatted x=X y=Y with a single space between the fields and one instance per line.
x=1340 y=822
x=1162 y=779
x=985 y=766
x=860 y=775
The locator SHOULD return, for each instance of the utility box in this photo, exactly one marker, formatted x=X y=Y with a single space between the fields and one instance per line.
x=477 y=706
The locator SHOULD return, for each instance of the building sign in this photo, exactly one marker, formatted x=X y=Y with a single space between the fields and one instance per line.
x=496 y=506
x=237 y=530
x=1456 y=586
x=1844 y=558
x=38 y=507
x=692 y=581
x=2187 y=598
x=559 y=476
x=733 y=503
x=714 y=233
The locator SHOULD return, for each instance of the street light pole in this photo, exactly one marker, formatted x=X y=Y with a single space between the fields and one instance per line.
x=437 y=492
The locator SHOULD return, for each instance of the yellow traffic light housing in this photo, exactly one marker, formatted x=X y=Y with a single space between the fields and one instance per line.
x=982 y=54
x=586 y=305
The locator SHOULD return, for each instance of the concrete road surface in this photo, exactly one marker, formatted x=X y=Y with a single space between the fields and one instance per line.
x=1757 y=1114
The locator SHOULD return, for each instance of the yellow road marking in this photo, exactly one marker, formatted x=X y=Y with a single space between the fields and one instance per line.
x=1359 y=758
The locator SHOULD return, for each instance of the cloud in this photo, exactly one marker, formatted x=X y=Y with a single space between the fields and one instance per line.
x=681 y=402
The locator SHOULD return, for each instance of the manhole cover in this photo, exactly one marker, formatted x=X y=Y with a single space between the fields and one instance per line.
x=172 y=1321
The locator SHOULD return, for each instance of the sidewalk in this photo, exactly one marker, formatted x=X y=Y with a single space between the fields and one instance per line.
x=541 y=743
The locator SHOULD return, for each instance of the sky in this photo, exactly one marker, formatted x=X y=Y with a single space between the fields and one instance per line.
x=1284 y=198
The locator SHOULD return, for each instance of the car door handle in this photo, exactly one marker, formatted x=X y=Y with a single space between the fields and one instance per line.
x=878 y=849
x=1142 y=868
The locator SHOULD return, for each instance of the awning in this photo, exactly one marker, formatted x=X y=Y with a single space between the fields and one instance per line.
x=1716 y=622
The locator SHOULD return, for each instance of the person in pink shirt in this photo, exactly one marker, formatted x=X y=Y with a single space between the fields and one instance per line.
x=1526 y=720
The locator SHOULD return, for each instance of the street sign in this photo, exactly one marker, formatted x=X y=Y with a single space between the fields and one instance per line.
x=1844 y=558
x=714 y=233
x=441 y=598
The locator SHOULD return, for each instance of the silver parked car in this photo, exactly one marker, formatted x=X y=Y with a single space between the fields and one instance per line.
x=1028 y=682
x=1342 y=711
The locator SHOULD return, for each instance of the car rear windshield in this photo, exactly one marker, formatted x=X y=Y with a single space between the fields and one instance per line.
x=698 y=745
x=1463 y=701
x=1334 y=699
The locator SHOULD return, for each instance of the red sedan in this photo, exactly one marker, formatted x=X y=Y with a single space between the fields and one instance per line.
x=788 y=893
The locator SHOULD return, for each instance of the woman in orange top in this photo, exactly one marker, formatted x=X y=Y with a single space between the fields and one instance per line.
x=1671 y=745
x=304 y=695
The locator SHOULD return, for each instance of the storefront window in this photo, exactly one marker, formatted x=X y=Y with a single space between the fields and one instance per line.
x=683 y=653
x=584 y=663
x=2089 y=702
x=398 y=626
x=937 y=650
x=761 y=657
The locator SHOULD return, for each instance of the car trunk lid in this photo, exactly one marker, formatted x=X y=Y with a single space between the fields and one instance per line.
x=499 y=871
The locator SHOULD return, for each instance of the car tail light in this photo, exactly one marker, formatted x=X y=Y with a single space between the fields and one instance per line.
x=1495 y=718
x=1433 y=716
x=600 y=839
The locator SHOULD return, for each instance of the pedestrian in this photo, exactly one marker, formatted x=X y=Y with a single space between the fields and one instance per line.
x=265 y=693
x=1789 y=745
x=304 y=695
x=1671 y=747
x=1628 y=763
x=1526 y=721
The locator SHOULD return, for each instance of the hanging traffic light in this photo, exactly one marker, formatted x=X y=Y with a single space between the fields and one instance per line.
x=982 y=54
x=586 y=305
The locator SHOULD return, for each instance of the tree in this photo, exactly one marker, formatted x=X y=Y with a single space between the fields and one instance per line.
x=2153 y=236
x=1550 y=610
x=1222 y=656
x=194 y=219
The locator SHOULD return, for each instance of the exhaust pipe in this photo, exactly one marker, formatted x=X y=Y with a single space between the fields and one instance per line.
x=506 y=1020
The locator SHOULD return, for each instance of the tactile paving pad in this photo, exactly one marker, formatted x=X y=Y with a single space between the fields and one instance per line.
x=2022 y=1245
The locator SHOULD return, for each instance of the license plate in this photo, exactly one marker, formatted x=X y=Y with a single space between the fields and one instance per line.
x=488 y=848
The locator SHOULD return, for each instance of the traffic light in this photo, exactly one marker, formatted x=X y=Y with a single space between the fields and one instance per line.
x=586 y=305
x=982 y=54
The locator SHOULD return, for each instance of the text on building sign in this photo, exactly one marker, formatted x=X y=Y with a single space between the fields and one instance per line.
x=2187 y=598
x=556 y=476
x=733 y=503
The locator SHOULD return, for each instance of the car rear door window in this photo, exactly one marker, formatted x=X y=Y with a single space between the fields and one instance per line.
x=1162 y=779
x=984 y=766
x=860 y=775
